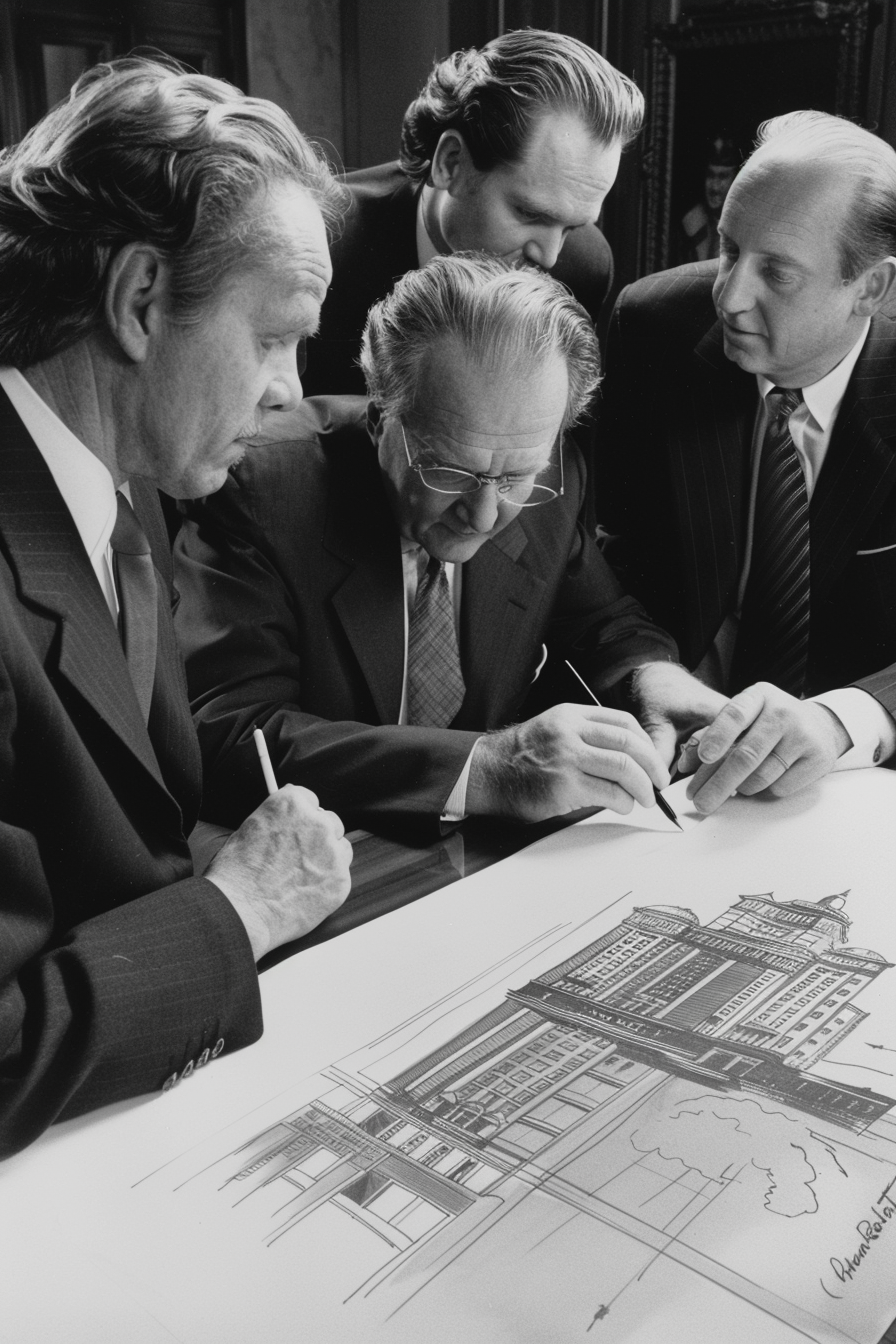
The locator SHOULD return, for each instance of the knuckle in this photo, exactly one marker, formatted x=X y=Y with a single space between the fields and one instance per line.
x=747 y=754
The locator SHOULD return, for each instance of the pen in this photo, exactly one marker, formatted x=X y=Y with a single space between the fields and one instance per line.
x=661 y=803
x=266 y=768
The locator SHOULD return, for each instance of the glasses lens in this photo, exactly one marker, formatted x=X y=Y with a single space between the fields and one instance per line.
x=448 y=481
x=527 y=496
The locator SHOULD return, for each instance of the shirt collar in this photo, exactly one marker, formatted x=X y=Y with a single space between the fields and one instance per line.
x=824 y=397
x=84 y=482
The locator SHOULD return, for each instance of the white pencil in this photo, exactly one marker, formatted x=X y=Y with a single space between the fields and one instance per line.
x=266 y=767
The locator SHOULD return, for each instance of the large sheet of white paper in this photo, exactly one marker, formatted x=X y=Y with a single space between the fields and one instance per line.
x=630 y=1084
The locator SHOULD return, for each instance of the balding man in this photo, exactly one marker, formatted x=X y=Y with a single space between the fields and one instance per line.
x=411 y=573
x=750 y=460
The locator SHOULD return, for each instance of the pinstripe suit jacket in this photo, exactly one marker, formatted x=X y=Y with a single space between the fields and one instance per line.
x=675 y=433
x=117 y=966
x=292 y=615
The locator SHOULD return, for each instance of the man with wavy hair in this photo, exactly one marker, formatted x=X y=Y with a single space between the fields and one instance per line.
x=509 y=149
x=394 y=590
x=162 y=253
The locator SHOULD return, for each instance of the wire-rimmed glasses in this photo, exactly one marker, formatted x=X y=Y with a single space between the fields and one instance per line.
x=522 y=491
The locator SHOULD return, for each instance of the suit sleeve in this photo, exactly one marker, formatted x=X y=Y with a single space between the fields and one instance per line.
x=594 y=622
x=107 y=987
x=242 y=635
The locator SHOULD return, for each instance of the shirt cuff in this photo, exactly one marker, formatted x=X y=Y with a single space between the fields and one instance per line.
x=456 y=807
x=871 y=727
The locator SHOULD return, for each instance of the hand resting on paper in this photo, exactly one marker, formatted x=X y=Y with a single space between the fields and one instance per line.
x=569 y=757
x=763 y=739
x=285 y=869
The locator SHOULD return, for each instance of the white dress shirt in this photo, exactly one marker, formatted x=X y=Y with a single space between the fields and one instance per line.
x=870 y=726
x=83 y=481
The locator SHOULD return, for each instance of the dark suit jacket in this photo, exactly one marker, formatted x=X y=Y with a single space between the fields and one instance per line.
x=674 y=435
x=117 y=965
x=378 y=244
x=292 y=617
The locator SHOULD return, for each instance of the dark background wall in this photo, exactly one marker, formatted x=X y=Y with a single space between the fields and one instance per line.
x=346 y=69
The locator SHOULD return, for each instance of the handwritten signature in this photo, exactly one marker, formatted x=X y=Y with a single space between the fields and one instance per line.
x=870 y=1230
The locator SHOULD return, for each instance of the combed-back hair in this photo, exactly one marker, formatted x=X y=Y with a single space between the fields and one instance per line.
x=502 y=316
x=140 y=151
x=492 y=95
x=869 y=163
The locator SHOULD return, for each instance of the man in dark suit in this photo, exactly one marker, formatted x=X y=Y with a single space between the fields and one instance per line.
x=382 y=592
x=765 y=539
x=140 y=343
x=510 y=149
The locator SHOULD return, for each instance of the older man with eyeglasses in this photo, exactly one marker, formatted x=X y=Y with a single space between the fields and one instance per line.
x=393 y=595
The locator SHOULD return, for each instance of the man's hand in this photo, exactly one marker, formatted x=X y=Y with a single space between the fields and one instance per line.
x=671 y=703
x=571 y=756
x=762 y=739
x=285 y=869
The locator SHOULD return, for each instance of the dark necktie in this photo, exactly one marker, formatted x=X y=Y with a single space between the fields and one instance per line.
x=135 y=579
x=435 y=680
x=773 y=640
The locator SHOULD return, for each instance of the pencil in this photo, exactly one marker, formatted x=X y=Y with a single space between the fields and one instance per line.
x=661 y=803
x=266 y=768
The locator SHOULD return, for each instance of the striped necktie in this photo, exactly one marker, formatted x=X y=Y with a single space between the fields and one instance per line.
x=773 y=639
x=135 y=579
x=435 y=680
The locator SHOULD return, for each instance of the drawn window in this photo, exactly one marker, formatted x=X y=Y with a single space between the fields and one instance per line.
x=365 y=1188
x=435 y=1155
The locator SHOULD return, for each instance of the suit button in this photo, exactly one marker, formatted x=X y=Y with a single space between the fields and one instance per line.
x=169 y=1082
x=203 y=1058
x=188 y=1069
x=219 y=1046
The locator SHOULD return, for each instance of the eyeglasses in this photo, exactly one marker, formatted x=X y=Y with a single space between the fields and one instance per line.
x=522 y=492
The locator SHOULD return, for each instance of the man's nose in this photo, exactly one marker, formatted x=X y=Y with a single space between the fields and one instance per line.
x=543 y=248
x=284 y=390
x=733 y=289
x=479 y=509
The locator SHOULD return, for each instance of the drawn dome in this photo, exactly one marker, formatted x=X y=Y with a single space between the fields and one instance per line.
x=866 y=953
x=677 y=910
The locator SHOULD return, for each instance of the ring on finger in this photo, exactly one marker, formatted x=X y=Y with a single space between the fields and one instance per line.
x=785 y=765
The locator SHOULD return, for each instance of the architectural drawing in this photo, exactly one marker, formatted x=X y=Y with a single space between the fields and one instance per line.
x=661 y=1088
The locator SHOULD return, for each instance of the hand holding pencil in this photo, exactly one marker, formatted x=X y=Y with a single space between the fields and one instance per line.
x=287 y=867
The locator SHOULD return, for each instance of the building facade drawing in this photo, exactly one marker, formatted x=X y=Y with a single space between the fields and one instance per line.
x=748 y=1003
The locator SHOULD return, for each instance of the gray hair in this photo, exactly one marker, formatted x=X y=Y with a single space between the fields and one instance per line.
x=869 y=231
x=494 y=94
x=520 y=316
x=139 y=152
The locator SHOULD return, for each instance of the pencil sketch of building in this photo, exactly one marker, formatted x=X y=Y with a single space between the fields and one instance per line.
x=544 y=1091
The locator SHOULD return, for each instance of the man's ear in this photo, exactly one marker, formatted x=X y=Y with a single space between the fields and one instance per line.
x=450 y=162
x=374 y=422
x=136 y=295
x=878 y=289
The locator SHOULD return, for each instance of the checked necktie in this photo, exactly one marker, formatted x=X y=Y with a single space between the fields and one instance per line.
x=435 y=680
x=773 y=640
x=135 y=579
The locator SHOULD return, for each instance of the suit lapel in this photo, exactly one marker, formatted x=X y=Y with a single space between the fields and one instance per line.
x=709 y=464
x=55 y=574
x=497 y=600
x=369 y=602
x=859 y=472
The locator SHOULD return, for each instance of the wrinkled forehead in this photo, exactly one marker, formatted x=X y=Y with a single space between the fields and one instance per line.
x=470 y=407
x=286 y=236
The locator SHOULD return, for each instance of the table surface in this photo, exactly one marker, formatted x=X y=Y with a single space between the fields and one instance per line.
x=391 y=872
x=388 y=872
